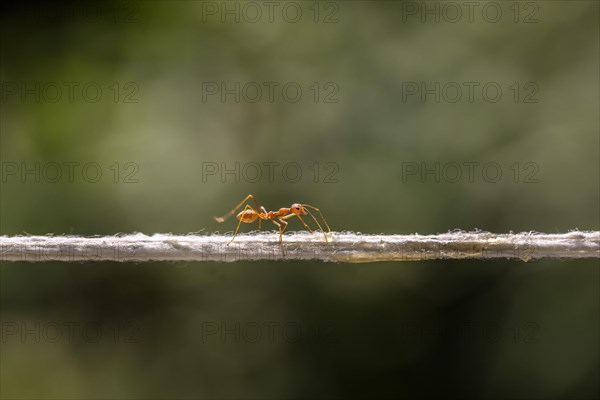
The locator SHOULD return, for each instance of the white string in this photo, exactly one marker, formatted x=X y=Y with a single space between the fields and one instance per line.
x=347 y=247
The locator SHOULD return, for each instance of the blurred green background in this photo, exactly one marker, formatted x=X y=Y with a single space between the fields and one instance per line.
x=147 y=112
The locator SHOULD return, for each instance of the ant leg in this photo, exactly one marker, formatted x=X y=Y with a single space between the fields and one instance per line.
x=320 y=213
x=264 y=211
x=300 y=218
x=230 y=213
x=280 y=230
x=248 y=206
x=320 y=228
x=280 y=234
x=319 y=225
x=308 y=227
x=283 y=221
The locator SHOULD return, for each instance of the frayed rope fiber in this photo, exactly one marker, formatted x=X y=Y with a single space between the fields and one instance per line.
x=348 y=247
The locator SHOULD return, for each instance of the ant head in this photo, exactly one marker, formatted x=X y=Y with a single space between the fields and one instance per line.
x=298 y=209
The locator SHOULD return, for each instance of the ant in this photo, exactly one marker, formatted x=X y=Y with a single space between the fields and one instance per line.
x=251 y=214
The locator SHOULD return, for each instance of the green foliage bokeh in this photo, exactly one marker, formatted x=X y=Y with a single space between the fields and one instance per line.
x=163 y=57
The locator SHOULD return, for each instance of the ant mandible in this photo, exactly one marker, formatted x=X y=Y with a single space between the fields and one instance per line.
x=251 y=214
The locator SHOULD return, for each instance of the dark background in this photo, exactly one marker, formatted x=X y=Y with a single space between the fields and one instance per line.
x=470 y=329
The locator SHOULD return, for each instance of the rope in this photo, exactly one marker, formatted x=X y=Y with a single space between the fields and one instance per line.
x=345 y=247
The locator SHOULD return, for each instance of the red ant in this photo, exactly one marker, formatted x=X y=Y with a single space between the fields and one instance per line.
x=250 y=214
